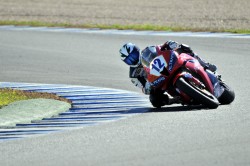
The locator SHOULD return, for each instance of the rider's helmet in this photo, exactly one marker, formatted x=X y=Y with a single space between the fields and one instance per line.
x=130 y=54
x=147 y=55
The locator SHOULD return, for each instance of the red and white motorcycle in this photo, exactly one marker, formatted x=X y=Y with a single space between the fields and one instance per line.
x=182 y=75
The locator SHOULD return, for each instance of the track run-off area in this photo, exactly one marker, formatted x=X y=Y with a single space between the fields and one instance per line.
x=73 y=61
x=90 y=106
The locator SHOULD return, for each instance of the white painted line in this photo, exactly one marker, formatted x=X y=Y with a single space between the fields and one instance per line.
x=125 y=32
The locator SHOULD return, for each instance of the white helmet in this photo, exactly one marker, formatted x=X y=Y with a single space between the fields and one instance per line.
x=130 y=54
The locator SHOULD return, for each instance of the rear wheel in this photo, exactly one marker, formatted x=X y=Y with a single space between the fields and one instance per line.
x=199 y=95
x=228 y=95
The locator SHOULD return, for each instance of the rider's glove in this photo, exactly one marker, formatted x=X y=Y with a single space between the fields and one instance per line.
x=147 y=88
x=170 y=45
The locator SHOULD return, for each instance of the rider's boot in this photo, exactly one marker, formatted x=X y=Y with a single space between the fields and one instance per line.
x=204 y=64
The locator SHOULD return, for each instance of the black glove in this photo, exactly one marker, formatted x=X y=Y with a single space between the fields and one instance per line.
x=169 y=45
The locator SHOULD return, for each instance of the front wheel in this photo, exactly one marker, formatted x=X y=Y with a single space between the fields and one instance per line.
x=200 y=95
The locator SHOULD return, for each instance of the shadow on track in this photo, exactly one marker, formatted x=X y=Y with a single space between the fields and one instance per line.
x=177 y=108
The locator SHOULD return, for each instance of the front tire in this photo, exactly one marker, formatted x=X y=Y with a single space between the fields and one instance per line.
x=200 y=95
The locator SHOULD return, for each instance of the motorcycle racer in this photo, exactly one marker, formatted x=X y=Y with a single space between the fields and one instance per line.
x=130 y=54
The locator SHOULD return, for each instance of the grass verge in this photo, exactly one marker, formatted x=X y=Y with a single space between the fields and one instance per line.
x=121 y=27
x=8 y=96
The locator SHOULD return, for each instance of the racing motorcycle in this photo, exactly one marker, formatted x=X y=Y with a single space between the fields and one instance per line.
x=182 y=76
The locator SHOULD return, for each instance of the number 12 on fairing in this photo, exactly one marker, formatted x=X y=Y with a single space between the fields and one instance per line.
x=157 y=65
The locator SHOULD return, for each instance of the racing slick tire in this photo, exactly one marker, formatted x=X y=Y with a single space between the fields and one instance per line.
x=227 y=96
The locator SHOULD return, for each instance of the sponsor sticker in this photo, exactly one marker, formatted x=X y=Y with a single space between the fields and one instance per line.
x=172 y=61
x=158 y=81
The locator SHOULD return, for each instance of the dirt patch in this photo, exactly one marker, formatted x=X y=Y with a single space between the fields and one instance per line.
x=43 y=95
x=32 y=95
x=197 y=14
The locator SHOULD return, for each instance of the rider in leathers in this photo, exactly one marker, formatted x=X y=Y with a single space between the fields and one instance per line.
x=130 y=54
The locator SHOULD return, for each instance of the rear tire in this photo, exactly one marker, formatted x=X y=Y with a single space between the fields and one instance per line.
x=227 y=96
x=204 y=98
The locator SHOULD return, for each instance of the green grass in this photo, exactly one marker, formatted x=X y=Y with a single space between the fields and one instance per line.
x=122 y=27
x=8 y=96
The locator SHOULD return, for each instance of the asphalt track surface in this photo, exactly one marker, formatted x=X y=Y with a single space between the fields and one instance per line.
x=174 y=135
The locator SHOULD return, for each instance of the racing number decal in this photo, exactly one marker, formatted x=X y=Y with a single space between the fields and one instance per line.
x=157 y=65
